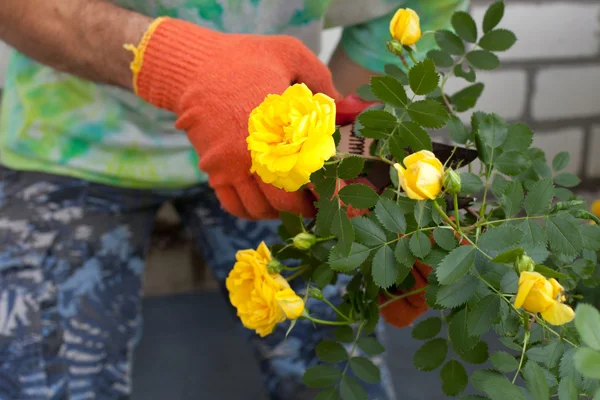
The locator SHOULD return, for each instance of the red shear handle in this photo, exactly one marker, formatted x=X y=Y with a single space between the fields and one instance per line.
x=349 y=108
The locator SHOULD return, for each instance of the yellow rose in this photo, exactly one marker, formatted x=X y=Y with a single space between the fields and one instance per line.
x=405 y=27
x=596 y=208
x=291 y=136
x=540 y=295
x=262 y=300
x=422 y=178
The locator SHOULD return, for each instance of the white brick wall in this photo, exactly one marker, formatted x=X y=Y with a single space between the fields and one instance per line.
x=553 y=142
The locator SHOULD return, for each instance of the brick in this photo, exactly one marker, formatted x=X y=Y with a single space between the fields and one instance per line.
x=551 y=30
x=567 y=92
x=505 y=93
x=593 y=161
x=569 y=140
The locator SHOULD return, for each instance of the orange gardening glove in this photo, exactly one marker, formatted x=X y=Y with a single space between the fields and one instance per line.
x=212 y=81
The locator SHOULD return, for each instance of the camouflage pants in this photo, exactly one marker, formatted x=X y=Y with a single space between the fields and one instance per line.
x=71 y=262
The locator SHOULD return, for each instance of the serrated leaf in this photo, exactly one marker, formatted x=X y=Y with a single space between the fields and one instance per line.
x=538 y=161
x=457 y=130
x=423 y=77
x=493 y=16
x=321 y=376
x=341 y=227
x=509 y=282
x=364 y=369
x=384 y=268
x=344 y=334
x=493 y=130
x=414 y=136
x=364 y=92
x=445 y=238
x=470 y=183
x=560 y=161
x=403 y=254
x=459 y=334
x=456 y=265
x=464 y=26
x=555 y=350
x=458 y=293
x=367 y=232
x=483 y=60
x=397 y=147
x=549 y=272
x=539 y=197
x=377 y=124
x=500 y=238
x=512 y=163
x=466 y=98
x=427 y=329
x=512 y=198
x=495 y=385
x=428 y=113
x=389 y=90
x=322 y=276
x=359 y=196
x=499 y=185
x=396 y=72
x=536 y=381
x=563 y=235
x=419 y=244
x=358 y=255
x=431 y=355
x=504 y=362
x=519 y=138
x=422 y=213
x=370 y=346
x=291 y=222
x=351 y=389
x=567 y=389
x=508 y=257
x=350 y=167
x=449 y=42
x=327 y=394
x=441 y=58
x=467 y=74
x=390 y=216
x=498 y=40
x=483 y=315
x=587 y=322
x=330 y=351
x=567 y=179
x=477 y=355
x=454 y=378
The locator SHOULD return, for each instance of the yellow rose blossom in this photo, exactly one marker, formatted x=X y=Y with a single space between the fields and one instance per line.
x=291 y=136
x=405 y=27
x=540 y=295
x=422 y=178
x=262 y=300
x=596 y=208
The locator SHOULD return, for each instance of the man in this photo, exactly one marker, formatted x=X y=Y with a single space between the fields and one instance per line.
x=90 y=152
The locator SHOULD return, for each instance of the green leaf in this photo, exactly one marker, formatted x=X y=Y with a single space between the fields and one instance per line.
x=341 y=227
x=350 y=167
x=538 y=159
x=327 y=394
x=587 y=322
x=389 y=90
x=449 y=42
x=466 y=98
x=414 y=136
x=457 y=130
x=470 y=183
x=484 y=60
x=512 y=198
x=493 y=130
x=364 y=369
x=423 y=77
x=420 y=245
x=567 y=389
x=321 y=376
x=370 y=346
x=483 y=315
x=390 y=216
x=322 y=276
x=291 y=222
x=519 y=138
x=536 y=381
x=549 y=272
x=358 y=255
x=477 y=355
x=563 y=235
x=464 y=26
x=512 y=163
x=377 y=124
x=504 y=362
x=428 y=113
x=493 y=16
x=403 y=254
x=344 y=334
x=467 y=74
x=458 y=334
x=509 y=282
x=436 y=216
x=350 y=389
x=359 y=196
x=364 y=92
x=454 y=378
x=456 y=264
x=397 y=147
x=498 y=40
x=500 y=238
x=368 y=232
x=422 y=213
x=539 y=197
x=431 y=355
x=384 y=268
x=567 y=179
x=445 y=238
x=508 y=257
x=427 y=329
x=458 y=293
x=560 y=161
x=441 y=58
x=499 y=185
x=331 y=352
x=396 y=72
x=473 y=397
x=495 y=385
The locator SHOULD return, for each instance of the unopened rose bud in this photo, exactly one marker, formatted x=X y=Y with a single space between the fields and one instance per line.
x=451 y=181
x=304 y=241
x=274 y=266
x=525 y=264
x=395 y=47
x=405 y=27
x=315 y=293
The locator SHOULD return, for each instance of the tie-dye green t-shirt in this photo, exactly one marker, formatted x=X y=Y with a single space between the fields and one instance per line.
x=57 y=123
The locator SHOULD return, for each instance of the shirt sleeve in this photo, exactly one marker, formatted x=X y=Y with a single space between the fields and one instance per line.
x=365 y=43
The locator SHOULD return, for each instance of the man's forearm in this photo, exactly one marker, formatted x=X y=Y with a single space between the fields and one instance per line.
x=81 y=37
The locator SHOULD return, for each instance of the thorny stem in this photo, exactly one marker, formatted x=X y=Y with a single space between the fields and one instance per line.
x=527 y=334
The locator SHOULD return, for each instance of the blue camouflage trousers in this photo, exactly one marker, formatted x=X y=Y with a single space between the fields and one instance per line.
x=71 y=264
